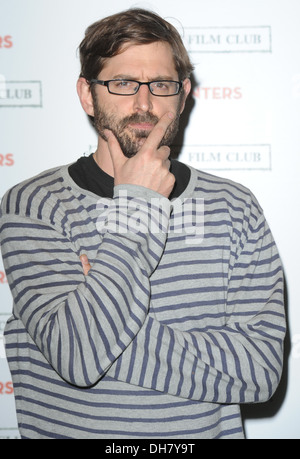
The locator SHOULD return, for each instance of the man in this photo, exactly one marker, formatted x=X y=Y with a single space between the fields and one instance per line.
x=148 y=296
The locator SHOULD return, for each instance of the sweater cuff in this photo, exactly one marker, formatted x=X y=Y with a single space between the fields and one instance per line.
x=143 y=207
x=134 y=191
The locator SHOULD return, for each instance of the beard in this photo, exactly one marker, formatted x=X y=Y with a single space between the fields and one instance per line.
x=131 y=140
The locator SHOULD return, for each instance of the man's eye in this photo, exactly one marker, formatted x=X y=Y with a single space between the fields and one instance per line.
x=123 y=84
x=162 y=85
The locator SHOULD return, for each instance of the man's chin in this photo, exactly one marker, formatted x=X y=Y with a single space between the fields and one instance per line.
x=140 y=142
x=134 y=148
x=135 y=142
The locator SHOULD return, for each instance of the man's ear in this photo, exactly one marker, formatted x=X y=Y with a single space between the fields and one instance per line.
x=85 y=96
x=186 y=89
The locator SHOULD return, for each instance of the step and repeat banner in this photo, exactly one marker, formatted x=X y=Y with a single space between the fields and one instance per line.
x=242 y=122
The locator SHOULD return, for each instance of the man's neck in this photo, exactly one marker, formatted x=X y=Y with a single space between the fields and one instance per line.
x=103 y=158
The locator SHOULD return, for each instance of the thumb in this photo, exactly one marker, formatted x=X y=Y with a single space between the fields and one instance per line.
x=85 y=264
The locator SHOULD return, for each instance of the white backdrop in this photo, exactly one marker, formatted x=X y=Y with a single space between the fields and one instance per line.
x=244 y=124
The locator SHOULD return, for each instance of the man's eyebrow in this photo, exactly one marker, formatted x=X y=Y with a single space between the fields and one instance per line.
x=130 y=77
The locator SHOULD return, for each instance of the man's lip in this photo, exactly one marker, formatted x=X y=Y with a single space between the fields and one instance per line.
x=142 y=126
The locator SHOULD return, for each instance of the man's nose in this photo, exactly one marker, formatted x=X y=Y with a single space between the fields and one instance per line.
x=143 y=99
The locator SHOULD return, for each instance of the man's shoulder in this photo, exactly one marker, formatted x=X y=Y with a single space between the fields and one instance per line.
x=39 y=179
x=32 y=190
x=218 y=189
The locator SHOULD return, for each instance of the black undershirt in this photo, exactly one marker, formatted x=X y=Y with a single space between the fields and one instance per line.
x=88 y=175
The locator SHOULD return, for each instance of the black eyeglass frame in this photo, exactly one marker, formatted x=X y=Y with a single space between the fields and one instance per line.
x=139 y=83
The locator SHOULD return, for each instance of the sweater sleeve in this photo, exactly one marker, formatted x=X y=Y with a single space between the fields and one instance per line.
x=80 y=323
x=239 y=362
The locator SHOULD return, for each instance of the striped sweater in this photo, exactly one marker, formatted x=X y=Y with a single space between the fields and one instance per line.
x=166 y=336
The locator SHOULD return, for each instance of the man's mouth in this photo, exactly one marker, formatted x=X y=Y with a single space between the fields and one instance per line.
x=141 y=126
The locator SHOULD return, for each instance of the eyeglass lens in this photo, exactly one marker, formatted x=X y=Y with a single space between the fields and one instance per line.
x=158 y=88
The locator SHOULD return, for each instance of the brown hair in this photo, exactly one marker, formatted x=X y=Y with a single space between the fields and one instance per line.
x=104 y=39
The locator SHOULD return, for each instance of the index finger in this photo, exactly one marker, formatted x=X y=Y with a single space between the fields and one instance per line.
x=159 y=130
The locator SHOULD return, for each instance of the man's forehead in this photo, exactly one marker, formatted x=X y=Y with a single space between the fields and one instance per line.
x=156 y=56
x=159 y=44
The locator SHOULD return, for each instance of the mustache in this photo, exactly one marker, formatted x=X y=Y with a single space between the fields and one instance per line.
x=139 y=118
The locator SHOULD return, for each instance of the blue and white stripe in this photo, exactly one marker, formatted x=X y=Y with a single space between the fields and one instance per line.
x=162 y=339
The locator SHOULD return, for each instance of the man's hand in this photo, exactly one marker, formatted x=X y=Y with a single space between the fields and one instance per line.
x=85 y=264
x=150 y=166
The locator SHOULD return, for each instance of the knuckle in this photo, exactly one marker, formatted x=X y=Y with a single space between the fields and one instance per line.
x=160 y=131
x=160 y=127
x=165 y=151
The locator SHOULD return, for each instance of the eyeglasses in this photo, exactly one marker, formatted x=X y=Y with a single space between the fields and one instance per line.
x=162 y=88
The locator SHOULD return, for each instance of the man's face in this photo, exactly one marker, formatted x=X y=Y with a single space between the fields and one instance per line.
x=132 y=118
